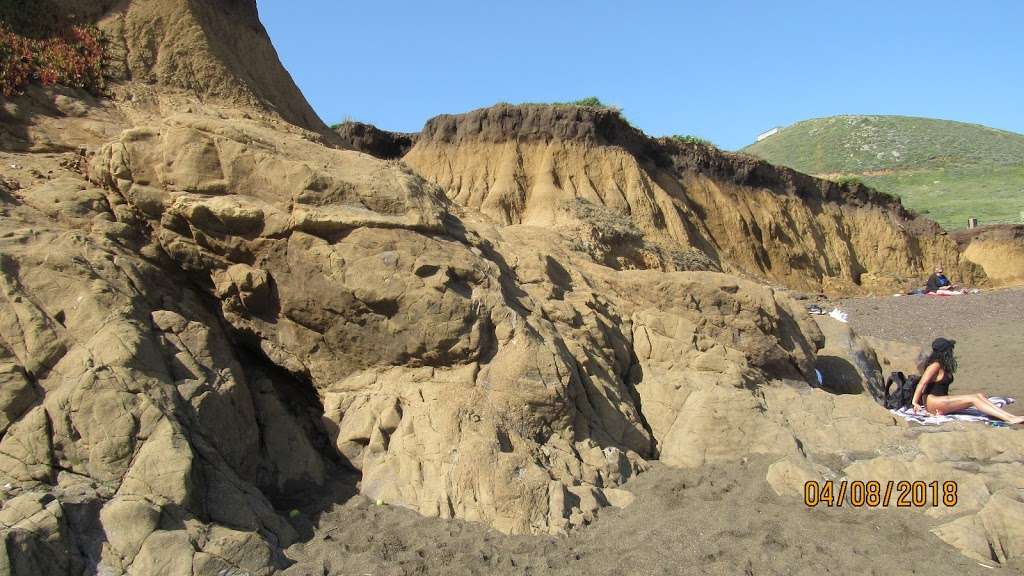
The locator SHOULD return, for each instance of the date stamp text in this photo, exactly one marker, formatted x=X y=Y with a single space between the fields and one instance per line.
x=875 y=494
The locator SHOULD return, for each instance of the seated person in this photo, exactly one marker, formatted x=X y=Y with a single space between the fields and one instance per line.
x=939 y=284
x=932 y=393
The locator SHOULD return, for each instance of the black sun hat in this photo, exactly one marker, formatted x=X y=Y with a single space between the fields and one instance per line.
x=942 y=344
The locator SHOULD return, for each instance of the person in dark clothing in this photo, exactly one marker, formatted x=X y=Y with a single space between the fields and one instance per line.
x=938 y=281
x=932 y=392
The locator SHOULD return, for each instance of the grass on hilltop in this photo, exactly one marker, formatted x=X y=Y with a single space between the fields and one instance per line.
x=588 y=102
x=949 y=171
x=690 y=139
x=950 y=196
x=858 y=144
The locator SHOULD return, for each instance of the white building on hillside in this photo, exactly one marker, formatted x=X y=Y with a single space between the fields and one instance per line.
x=771 y=132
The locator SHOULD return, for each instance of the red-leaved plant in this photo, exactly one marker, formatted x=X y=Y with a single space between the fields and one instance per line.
x=73 y=58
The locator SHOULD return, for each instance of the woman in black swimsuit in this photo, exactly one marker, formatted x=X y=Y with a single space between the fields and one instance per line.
x=933 y=387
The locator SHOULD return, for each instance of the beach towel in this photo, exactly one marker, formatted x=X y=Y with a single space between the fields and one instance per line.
x=967 y=415
x=839 y=315
x=946 y=293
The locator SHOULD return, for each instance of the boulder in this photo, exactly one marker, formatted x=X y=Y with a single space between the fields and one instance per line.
x=788 y=476
x=127 y=522
x=993 y=534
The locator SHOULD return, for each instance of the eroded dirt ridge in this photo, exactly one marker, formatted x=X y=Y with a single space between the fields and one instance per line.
x=535 y=165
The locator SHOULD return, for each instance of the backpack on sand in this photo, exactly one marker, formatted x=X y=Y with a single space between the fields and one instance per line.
x=899 y=390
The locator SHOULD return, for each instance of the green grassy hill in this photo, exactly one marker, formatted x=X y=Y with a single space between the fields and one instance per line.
x=950 y=171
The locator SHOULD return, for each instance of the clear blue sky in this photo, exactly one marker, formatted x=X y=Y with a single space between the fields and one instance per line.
x=721 y=70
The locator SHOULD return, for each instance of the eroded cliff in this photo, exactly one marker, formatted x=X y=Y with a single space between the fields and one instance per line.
x=525 y=165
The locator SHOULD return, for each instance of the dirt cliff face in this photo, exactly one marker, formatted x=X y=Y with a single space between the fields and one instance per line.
x=999 y=250
x=216 y=50
x=374 y=141
x=524 y=164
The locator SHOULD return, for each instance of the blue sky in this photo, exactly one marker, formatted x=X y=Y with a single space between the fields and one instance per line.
x=720 y=70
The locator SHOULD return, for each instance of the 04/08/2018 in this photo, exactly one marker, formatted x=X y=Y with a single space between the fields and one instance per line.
x=874 y=494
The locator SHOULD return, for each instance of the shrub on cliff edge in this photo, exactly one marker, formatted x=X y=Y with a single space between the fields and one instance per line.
x=72 y=56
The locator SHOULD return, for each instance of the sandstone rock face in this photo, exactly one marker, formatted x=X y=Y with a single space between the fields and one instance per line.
x=895 y=356
x=985 y=464
x=126 y=401
x=463 y=374
x=850 y=364
x=463 y=370
x=523 y=164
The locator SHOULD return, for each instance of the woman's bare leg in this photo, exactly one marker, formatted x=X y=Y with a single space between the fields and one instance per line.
x=948 y=404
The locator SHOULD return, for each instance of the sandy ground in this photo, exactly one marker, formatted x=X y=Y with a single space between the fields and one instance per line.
x=988 y=329
x=719 y=519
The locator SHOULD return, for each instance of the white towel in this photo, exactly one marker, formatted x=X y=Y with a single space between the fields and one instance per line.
x=967 y=415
